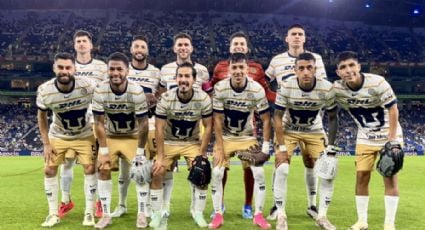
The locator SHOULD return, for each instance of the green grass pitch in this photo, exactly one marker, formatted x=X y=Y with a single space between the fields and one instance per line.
x=23 y=204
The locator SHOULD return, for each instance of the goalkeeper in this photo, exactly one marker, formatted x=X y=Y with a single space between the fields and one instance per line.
x=298 y=121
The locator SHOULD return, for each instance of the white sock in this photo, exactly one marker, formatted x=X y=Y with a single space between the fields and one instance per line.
x=123 y=182
x=105 y=193
x=168 y=189
x=142 y=197
x=193 y=197
x=326 y=192
x=200 y=200
x=362 y=203
x=391 y=204
x=259 y=188
x=311 y=186
x=90 y=187
x=281 y=187
x=217 y=188
x=66 y=178
x=156 y=199
x=51 y=188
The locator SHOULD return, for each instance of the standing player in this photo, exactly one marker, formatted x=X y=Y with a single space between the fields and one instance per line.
x=282 y=67
x=177 y=134
x=239 y=44
x=124 y=105
x=234 y=102
x=95 y=71
x=147 y=76
x=297 y=119
x=68 y=97
x=183 y=49
x=373 y=105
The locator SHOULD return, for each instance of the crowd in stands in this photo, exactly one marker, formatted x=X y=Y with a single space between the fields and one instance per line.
x=41 y=33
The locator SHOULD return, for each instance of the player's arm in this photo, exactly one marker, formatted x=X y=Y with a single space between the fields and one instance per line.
x=160 y=124
x=207 y=123
x=278 y=126
x=218 y=129
x=393 y=120
x=333 y=125
x=143 y=131
x=43 y=126
x=267 y=127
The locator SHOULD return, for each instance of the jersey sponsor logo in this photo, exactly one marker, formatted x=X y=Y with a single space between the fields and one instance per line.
x=237 y=103
x=186 y=113
x=118 y=106
x=305 y=103
x=70 y=104
x=86 y=74
x=139 y=79
x=355 y=101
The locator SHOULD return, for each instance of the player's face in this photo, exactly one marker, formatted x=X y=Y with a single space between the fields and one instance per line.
x=185 y=79
x=238 y=71
x=349 y=71
x=305 y=71
x=295 y=38
x=64 y=70
x=117 y=71
x=83 y=44
x=238 y=45
x=183 y=48
x=139 y=50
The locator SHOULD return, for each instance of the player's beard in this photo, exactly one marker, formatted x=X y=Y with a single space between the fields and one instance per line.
x=65 y=78
x=183 y=87
x=139 y=59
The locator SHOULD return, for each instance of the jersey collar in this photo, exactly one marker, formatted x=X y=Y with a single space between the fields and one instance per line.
x=65 y=92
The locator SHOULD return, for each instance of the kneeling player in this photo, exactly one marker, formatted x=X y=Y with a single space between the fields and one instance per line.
x=177 y=134
x=297 y=120
x=70 y=132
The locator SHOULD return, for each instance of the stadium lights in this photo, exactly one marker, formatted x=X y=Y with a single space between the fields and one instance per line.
x=367 y=5
x=416 y=11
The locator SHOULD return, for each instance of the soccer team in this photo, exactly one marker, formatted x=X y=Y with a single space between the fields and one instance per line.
x=131 y=117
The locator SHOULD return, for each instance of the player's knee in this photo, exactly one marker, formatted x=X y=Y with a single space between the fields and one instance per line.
x=282 y=170
x=258 y=173
x=104 y=174
x=308 y=162
x=157 y=180
x=89 y=169
x=50 y=171
x=218 y=173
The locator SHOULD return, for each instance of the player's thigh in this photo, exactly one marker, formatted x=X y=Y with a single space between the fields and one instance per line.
x=189 y=152
x=124 y=147
x=172 y=153
x=312 y=145
x=366 y=156
x=292 y=140
x=62 y=147
x=150 y=145
x=85 y=149
x=230 y=146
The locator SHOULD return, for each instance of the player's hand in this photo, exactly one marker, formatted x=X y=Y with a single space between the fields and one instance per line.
x=49 y=153
x=104 y=161
x=218 y=156
x=151 y=99
x=158 y=166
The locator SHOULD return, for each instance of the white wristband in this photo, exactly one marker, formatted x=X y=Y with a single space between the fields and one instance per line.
x=266 y=147
x=103 y=151
x=140 y=151
x=282 y=148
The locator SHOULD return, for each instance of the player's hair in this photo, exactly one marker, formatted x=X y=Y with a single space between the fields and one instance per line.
x=345 y=55
x=117 y=56
x=182 y=35
x=188 y=65
x=238 y=57
x=141 y=38
x=82 y=33
x=296 y=25
x=239 y=34
x=64 y=56
x=305 y=57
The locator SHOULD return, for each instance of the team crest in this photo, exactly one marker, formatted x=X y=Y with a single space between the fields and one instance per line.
x=253 y=70
x=198 y=105
x=371 y=91
x=322 y=95
x=83 y=91
x=250 y=96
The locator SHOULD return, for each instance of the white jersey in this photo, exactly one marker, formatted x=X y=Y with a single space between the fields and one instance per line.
x=238 y=107
x=369 y=108
x=282 y=66
x=95 y=70
x=302 y=108
x=148 y=78
x=183 y=118
x=70 y=116
x=121 y=109
x=168 y=75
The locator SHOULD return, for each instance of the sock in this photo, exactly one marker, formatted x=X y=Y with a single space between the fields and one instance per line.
x=224 y=184
x=362 y=203
x=259 y=188
x=193 y=197
x=200 y=200
x=311 y=186
x=217 y=188
x=281 y=187
x=66 y=178
x=326 y=192
x=123 y=182
x=142 y=197
x=391 y=203
x=156 y=199
x=168 y=189
x=51 y=188
x=105 y=193
x=249 y=185
x=90 y=187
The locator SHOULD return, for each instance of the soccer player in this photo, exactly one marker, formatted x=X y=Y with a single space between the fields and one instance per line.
x=297 y=119
x=178 y=114
x=68 y=97
x=372 y=104
x=282 y=67
x=183 y=49
x=95 y=71
x=147 y=76
x=123 y=104
x=234 y=102
x=239 y=44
